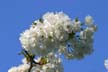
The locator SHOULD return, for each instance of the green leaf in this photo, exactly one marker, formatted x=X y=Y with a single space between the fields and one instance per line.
x=41 y=20
x=43 y=60
x=34 y=23
x=71 y=35
x=76 y=19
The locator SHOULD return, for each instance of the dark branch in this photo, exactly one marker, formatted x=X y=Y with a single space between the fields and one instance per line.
x=31 y=65
x=31 y=58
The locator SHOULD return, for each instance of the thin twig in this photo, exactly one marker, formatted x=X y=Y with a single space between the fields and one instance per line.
x=31 y=60
x=31 y=65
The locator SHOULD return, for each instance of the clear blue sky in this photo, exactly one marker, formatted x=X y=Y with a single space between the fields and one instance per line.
x=17 y=15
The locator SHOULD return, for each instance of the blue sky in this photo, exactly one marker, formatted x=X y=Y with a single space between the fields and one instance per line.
x=17 y=15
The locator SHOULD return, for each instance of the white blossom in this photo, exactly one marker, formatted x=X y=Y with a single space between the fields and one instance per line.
x=20 y=68
x=13 y=69
x=106 y=63
x=54 y=64
x=88 y=20
x=76 y=26
x=24 y=61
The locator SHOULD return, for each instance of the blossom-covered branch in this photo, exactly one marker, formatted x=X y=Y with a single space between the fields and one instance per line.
x=53 y=35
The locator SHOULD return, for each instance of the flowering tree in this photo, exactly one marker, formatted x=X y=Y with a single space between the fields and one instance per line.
x=51 y=36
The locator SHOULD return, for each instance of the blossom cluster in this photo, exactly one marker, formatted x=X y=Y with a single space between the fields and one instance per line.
x=106 y=63
x=54 y=64
x=57 y=34
x=54 y=31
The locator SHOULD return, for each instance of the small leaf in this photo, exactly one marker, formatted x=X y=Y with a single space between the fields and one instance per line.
x=76 y=19
x=43 y=61
x=71 y=35
x=41 y=20
x=34 y=23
